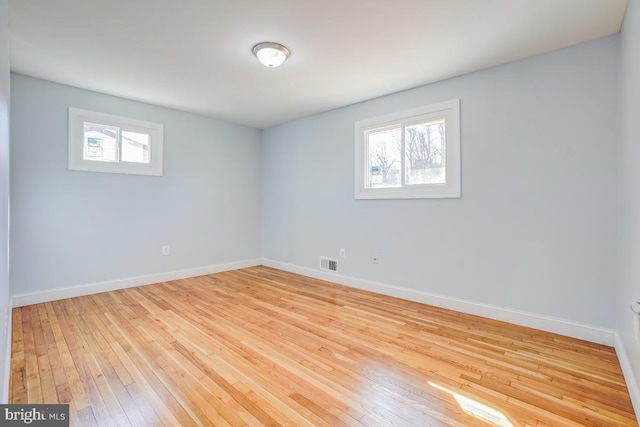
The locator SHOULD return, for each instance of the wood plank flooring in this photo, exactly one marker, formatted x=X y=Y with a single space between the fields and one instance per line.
x=259 y=346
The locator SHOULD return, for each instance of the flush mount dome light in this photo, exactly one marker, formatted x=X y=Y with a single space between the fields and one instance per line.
x=271 y=54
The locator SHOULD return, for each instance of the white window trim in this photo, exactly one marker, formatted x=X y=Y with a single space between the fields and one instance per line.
x=77 y=117
x=450 y=112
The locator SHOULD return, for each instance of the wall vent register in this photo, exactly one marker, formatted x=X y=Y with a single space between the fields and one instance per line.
x=328 y=264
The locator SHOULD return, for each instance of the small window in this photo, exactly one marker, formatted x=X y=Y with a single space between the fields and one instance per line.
x=411 y=154
x=105 y=143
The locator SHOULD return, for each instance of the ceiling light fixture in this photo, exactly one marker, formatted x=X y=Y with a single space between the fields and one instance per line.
x=271 y=54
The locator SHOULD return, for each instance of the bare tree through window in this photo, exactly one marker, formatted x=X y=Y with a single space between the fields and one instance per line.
x=425 y=153
x=385 y=158
x=410 y=154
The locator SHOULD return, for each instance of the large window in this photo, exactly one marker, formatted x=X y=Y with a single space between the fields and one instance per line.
x=411 y=154
x=106 y=143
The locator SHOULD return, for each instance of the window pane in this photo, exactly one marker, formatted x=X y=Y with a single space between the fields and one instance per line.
x=100 y=143
x=425 y=153
x=135 y=147
x=384 y=158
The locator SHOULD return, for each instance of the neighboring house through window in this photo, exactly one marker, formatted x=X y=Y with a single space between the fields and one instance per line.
x=101 y=142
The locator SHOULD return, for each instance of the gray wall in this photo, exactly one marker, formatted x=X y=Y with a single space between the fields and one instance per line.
x=535 y=227
x=4 y=193
x=73 y=228
x=628 y=286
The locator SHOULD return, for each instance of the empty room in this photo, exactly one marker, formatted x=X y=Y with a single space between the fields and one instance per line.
x=305 y=213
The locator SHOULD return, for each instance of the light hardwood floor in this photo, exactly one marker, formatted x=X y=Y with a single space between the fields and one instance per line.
x=260 y=346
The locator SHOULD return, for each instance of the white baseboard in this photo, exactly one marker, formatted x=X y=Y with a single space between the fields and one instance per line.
x=629 y=377
x=112 y=285
x=565 y=327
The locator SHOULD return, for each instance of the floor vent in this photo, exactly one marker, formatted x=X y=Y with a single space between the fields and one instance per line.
x=328 y=264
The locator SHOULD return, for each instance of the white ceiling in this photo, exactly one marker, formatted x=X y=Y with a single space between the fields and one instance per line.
x=195 y=55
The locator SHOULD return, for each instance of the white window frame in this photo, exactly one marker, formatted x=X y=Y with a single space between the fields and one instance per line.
x=77 y=118
x=449 y=111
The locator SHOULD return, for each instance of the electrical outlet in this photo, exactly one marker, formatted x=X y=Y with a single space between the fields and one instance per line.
x=165 y=250
x=375 y=258
x=343 y=253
